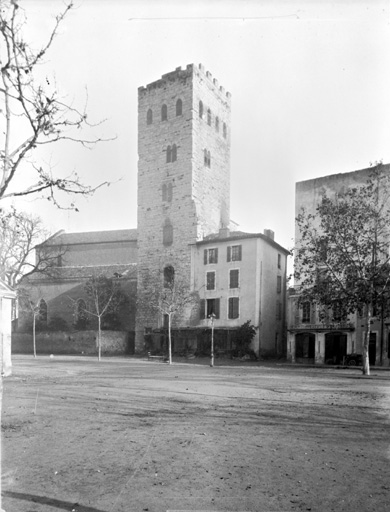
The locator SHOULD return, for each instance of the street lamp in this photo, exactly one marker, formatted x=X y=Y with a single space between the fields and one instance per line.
x=212 y=318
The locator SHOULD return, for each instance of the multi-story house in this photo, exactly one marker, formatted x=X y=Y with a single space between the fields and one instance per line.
x=311 y=336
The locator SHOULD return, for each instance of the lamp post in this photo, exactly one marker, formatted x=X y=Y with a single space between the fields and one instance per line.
x=212 y=317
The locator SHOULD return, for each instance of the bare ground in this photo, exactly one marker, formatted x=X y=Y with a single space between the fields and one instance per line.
x=130 y=435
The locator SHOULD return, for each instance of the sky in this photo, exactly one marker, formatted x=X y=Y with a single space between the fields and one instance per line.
x=309 y=81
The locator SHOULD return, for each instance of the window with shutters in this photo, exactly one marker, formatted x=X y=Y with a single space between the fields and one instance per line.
x=210 y=280
x=279 y=284
x=233 y=308
x=179 y=107
x=209 y=117
x=279 y=261
x=234 y=276
x=164 y=113
x=306 y=310
x=210 y=256
x=234 y=253
x=212 y=307
x=201 y=109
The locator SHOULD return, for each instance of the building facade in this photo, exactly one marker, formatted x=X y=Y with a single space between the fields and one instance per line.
x=329 y=341
x=74 y=258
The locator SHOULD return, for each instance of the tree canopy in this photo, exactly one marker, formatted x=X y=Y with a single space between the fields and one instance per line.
x=342 y=259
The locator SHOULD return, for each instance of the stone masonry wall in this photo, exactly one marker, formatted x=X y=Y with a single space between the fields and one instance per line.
x=189 y=179
x=81 y=342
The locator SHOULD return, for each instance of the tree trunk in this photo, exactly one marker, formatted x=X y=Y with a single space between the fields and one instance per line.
x=99 y=339
x=34 y=344
x=366 y=344
x=1 y=408
x=169 y=339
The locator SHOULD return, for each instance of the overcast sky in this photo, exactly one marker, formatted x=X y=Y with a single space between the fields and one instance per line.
x=310 y=86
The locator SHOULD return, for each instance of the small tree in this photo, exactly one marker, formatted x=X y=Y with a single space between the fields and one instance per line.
x=104 y=298
x=342 y=255
x=36 y=308
x=168 y=294
x=243 y=338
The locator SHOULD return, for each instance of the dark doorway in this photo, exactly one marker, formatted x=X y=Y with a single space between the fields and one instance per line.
x=335 y=348
x=305 y=346
x=372 y=349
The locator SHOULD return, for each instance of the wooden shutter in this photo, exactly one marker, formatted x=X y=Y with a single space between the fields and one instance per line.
x=216 y=255
x=216 y=312
x=239 y=252
x=202 y=308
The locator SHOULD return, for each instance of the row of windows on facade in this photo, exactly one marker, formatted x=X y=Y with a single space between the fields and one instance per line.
x=210 y=308
x=164 y=112
x=234 y=280
x=179 y=112
x=234 y=253
x=209 y=119
x=171 y=155
x=336 y=314
x=79 y=311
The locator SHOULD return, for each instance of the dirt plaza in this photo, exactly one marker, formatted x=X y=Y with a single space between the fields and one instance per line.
x=128 y=434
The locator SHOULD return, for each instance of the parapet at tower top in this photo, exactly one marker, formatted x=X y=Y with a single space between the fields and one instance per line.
x=180 y=73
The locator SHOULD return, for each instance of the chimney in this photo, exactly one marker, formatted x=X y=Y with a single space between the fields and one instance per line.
x=269 y=234
x=224 y=232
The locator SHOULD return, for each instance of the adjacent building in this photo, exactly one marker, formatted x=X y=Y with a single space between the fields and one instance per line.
x=330 y=341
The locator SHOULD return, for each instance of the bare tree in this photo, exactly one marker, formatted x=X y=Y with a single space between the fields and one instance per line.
x=20 y=233
x=104 y=299
x=168 y=294
x=33 y=113
x=28 y=302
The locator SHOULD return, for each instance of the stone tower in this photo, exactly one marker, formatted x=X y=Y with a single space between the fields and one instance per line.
x=183 y=172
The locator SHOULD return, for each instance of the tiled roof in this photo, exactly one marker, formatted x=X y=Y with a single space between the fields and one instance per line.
x=125 y=271
x=92 y=237
x=240 y=235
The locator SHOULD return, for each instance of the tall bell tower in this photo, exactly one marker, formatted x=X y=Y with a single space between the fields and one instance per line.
x=183 y=172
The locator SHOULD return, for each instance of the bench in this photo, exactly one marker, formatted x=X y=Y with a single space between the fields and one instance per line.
x=157 y=358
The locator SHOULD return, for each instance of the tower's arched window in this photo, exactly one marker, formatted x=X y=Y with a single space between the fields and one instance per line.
x=167 y=233
x=167 y=192
x=179 y=107
x=207 y=158
x=164 y=113
x=217 y=124
x=224 y=130
x=174 y=153
x=169 y=154
x=42 y=313
x=169 y=276
x=201 y=109
x=209 y=117
x=149 y=117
